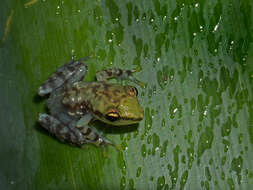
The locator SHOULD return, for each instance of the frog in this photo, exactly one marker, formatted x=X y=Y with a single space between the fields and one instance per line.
x=74 y=103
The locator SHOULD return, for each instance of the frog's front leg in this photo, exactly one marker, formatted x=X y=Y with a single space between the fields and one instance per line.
x=68 y=74
x=91 y=134
x=64 y=133
x=118 y=74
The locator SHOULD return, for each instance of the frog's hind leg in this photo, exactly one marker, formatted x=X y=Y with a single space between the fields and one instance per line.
x=92 y=135
x=63 y=132
x=69 y=73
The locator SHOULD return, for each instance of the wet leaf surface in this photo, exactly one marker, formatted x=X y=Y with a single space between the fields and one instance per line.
x=196 y=59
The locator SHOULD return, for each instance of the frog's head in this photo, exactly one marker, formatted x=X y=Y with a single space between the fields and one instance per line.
x=124 y=108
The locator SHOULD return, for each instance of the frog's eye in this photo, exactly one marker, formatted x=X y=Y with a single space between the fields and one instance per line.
x=132 y=91
x=112 y=116
x=136 y=91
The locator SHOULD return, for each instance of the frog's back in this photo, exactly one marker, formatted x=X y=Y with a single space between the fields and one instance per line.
x=87 y=96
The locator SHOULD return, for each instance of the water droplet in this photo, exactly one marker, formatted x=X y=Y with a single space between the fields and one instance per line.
x=223 y=160
x=149 y=139
x=217 y=25
x=123 y=182
x=196 y=5
x=138 y=173
x=156 y=143
x=183 y=180
x=226 y=143
x=164 y=149
x=174 y=172
x=240 y=138
x=236 y=166
x=143 y=150
x=205 y=140
x=223 y=175
x=231 y=183
x=226 y=127
x=208 y=174
x=131 y=184
x=160 y=182
x=121 y=162
x=201 y=28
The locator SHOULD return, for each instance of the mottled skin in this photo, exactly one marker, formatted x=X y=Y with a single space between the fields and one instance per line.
x=100 y=98
x=73 y=103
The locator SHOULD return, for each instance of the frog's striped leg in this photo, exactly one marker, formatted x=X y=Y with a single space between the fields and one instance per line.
x=64 y=133
x=91 y=134
x=118 y=74
x=69 y=73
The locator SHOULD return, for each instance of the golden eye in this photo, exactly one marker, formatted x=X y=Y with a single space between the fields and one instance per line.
x=112 y=116
x=136 y=91
x=132 y=91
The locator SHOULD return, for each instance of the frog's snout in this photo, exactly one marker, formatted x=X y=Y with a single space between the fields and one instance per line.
x=138 y=114
x=142 y=114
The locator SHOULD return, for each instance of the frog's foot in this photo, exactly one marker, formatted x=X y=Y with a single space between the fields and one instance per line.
x=69 y=73
x=93 y=136
x=118 y=74
x=64 y=133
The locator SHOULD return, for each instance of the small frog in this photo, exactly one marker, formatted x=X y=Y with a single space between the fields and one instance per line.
x=73 y=103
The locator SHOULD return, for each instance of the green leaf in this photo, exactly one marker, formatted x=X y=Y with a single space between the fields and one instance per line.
x=196 y=58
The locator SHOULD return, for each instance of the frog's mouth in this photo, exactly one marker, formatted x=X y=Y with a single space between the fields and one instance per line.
x=132 y=119
x=124 y=121
x=121 y=121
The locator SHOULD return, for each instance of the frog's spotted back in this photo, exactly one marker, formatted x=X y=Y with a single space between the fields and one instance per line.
x=65 y=74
